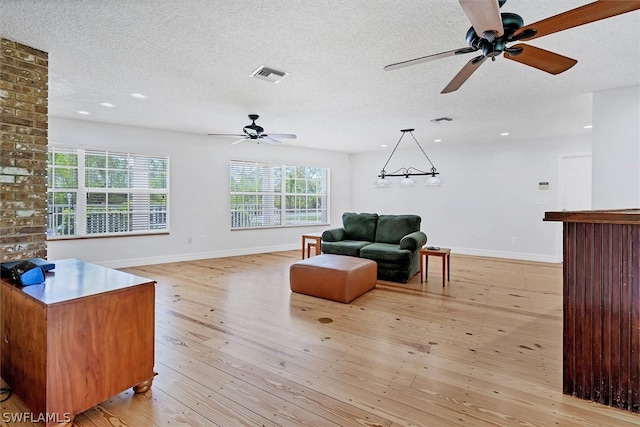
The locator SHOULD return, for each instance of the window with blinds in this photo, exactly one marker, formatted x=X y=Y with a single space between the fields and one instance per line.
x=271 y=195
x=97 y=192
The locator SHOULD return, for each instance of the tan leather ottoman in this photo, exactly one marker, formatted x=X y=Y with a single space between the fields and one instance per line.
x=333 y=277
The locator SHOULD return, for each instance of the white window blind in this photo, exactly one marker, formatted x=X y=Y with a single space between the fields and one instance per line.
x=97 y=192
x=271 y=195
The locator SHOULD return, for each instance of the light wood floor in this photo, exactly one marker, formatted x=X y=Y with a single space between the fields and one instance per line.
x=235 y=347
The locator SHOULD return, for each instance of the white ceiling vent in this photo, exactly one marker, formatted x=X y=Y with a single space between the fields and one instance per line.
x=269 y=74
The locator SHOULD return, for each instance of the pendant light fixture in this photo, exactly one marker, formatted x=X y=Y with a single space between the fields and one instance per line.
x=409 y=172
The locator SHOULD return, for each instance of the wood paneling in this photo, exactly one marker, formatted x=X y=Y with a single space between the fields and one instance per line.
x=601 y=296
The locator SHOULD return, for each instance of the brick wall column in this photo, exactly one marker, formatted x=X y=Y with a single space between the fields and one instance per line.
x=23 y=151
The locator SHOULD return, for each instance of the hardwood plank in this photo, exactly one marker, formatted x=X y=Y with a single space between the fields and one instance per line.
x=158 y=407
x=288 y=402
x=235 y=347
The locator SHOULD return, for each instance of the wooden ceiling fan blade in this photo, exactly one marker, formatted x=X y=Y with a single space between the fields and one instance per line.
x=280 y=135
x=484 y=16
x=586 y=14
x=428 y=58
x=464 y=74
x=541 y=59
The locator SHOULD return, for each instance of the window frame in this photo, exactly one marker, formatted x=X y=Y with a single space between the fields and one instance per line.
x=137 y=197
x=280 y=197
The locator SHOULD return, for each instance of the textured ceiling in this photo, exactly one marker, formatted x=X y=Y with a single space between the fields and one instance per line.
x=193 y=58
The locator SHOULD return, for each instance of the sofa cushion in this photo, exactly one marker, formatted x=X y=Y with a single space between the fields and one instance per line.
x=360 y=226
x=392 y=228
x=344 y=247
x=386 y=252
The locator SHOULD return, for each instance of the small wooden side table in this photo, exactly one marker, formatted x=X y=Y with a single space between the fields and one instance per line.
x=444 y=253
x=311 y=240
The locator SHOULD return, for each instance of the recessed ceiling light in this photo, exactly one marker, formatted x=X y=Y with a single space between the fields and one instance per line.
x=588 y=126
x=139 y=95
x=504 y=134
x=383 y=145
x=437 y=140
x=84 y=113
x=107 y=104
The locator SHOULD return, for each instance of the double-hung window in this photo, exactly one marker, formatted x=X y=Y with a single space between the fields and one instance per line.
x=272 y=195
x=96 y=193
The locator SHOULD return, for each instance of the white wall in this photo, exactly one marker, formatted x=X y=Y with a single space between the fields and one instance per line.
x=199 y=195
x=490 y=194
x=616 y=148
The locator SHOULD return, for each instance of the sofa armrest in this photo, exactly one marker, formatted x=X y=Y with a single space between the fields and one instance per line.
x=413 y=241
x=333 y=235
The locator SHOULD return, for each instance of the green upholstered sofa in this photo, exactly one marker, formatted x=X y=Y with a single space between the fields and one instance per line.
x=392 y=241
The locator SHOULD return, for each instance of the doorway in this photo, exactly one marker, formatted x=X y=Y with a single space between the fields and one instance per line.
x=574 y=188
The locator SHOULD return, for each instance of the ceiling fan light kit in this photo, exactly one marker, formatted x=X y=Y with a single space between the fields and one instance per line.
x=491 y=31
x=407 y=173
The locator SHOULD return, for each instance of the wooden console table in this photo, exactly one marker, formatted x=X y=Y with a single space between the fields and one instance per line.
x=601 y=306
x=83 y=336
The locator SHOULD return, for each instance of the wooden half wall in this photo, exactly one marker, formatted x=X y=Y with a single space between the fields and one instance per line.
x=601 y=306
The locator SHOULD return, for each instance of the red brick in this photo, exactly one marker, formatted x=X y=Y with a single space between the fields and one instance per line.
x=23 y=145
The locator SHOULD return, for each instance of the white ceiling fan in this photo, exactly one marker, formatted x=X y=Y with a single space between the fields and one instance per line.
x=255 y=132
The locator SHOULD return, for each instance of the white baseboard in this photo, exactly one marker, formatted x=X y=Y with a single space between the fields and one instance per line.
x=523 y=256
x=136 y=262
